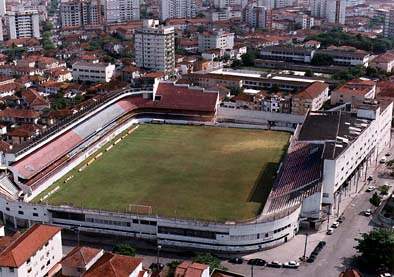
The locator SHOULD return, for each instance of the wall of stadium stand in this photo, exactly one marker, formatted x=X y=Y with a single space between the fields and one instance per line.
x=231 y=237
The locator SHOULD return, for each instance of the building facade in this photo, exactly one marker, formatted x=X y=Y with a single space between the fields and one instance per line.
x=92 y=72
x=177 y=9
x=155 y=47
x=215 y=40
x=23 y=24
x=81 y=13
x=388 y=25
x=118 y=11
x=258 y=17
x=334 y=11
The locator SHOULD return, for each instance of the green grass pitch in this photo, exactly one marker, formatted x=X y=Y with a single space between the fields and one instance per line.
x=188 y=172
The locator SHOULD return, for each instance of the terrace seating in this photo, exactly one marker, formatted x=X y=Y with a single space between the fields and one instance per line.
x=7 y=186
x=298 y=178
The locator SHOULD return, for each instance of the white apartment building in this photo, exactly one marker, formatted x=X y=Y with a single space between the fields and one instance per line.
x=334 y=11
x=118 y=11
x=215 y=40
x=177 y=9
x=32 y=253
x=352 y=141
x=258 y=17
x=388 y=26
x=222 y=14
x=92 y=72
x=2 y=7
x=225 y=3
x=80 y=13
x=23 y=24
x=155 y=47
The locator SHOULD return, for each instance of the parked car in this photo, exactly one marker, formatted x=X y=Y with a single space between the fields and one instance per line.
x=291 y=264
x=330 y=231
x=275 y=264
x=257 y=262
x=368 y=212
x=387 y=154
x=236 y=261
x=341 y=219
x=311 y=259
x=335 y=224
x=321 y=244
x=383 y=160
x=370 y=188
x=370 y=178
x=385 y=275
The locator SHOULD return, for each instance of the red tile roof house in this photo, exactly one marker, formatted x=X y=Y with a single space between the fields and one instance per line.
x=24 y=133
x=80 y=260
x=117 y=265
x=353 y=91
x=19 y=116
x=192 y=270
x=34 y=100
x=33 y=253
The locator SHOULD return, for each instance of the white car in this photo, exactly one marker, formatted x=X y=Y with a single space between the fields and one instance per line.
x=368 y=212
x=385 y=275
x=383 y=160
x=370 y=188
x=291 y=264
x=335 y=224
x=330 y=231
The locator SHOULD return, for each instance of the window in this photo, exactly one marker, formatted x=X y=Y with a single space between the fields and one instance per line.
x=11 y=269
x=20 y=212
x=35 y=214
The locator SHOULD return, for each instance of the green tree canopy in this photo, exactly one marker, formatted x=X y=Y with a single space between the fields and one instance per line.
x=322 y=60
x=375 y=200
x=208 y=259
x=377 y=248
x=124 y=249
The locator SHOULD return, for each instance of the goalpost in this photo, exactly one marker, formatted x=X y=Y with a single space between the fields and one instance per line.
x=140 y=209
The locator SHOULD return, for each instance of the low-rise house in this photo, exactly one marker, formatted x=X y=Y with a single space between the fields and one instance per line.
x=210 y=80
x=353 y=91
x=130 y=73
x=384 y=62
x=33 y=253
x=111 y=264
x=60 y=74
x=346 y=55
x=10 y=89
x=274 y=103
x=52 y=87
x=293 y=54
x=92 y=72
x=24 y=133
x=34 y=100
x=19 y=116
x=311 y=98
x=186 y=269
x=80 y=260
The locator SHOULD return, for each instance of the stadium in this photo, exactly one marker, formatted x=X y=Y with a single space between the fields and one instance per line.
x=161 y=165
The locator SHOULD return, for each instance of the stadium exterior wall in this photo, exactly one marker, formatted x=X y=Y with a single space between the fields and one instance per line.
x=185 y=234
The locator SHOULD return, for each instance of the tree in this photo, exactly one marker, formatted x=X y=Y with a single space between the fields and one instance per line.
x=124 y=249
x=377 y=249
x=208 y=259
x=248 y=58
x=236 y=64
x=322 y=60
x=172 y=267
x=375 y=200
x=236 y=90
x=308 y=73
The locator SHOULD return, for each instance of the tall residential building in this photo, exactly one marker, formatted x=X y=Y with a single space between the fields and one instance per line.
x=155 y=47
x=117 y=11
x=225 y=3
x=23 y=24
x=258 y=17
x=388 y=26
x=334 y=11
x=80 y=13
x=177 y=9
x=2 y=7
x=215 y=40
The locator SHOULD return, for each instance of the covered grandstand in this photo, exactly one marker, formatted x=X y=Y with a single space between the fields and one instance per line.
x=168 y=101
